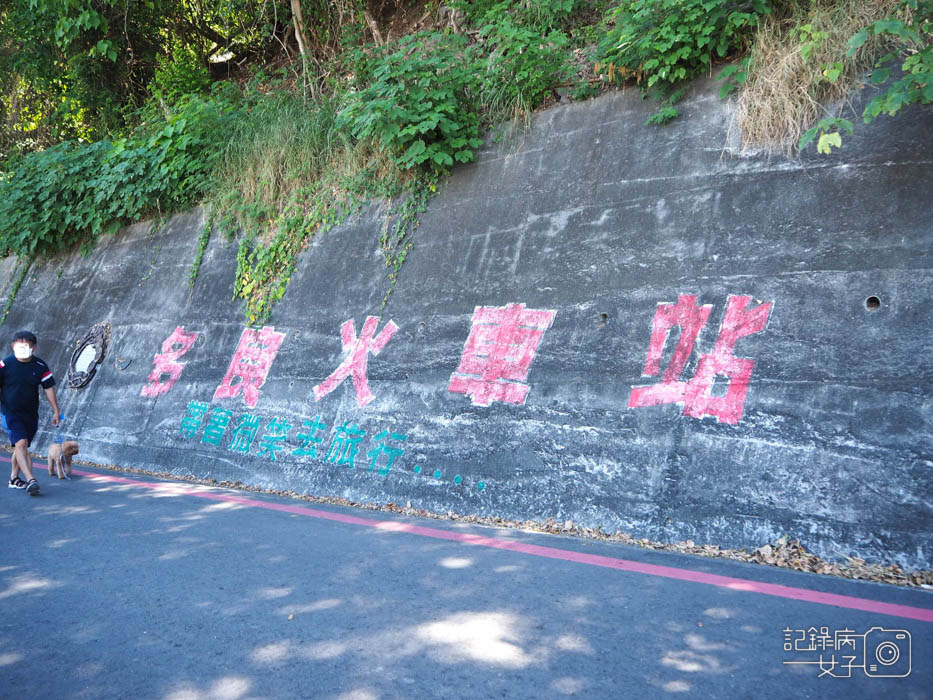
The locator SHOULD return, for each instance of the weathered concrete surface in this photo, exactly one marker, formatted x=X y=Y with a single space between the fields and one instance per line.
x=598 y=219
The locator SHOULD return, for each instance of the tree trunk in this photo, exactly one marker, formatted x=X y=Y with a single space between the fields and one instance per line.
x=303 y=47
x=374 y=28
x=299 y=22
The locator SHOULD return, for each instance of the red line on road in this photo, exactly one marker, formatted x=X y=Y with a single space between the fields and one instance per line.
x=738 y=584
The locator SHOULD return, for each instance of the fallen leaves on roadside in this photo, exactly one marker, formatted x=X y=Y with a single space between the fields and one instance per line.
x=784 y=552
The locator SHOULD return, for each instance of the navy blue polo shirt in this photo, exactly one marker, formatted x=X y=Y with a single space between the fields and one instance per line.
x=19 y=386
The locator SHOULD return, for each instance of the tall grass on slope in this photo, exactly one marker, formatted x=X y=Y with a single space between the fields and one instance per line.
x=286 y=172
x=799 y=68
x=279 y=146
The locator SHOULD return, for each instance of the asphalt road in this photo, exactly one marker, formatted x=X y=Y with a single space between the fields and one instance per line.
x=119 y=586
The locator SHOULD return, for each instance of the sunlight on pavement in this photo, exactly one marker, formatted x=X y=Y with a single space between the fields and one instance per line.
x=228 y=688
x=272 y=593
x=692 y=662
x=677 y=687
x=573 y=642
x=485 y=637
x=117 y=488
x=489 y=638
x=280 y=652
x=10 y=658
x=455 y=562
x=222 y=505
x=358 y=694
x=568 y=686
x=164 y=492
x=175 y=555
x=182 y=547
x=142 y=490
x=182 y=518
x=272 y=653
x=740 y=586
x=698 y=643
x=27 y=583
x=68 y=510
x=577 y=602
x=326 y=650
x=326 y=604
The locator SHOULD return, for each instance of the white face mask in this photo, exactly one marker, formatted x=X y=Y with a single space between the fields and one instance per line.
x=22 y=351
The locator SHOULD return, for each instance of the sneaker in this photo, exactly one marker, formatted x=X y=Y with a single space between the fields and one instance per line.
x=32 y=487
x=17 y=483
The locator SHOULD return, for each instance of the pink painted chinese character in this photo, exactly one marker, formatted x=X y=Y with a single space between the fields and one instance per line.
x=737 y=322
x=497 y=354
x=690 y=318
x=354 y=364
x=250 y=364
x=166 y=362
x=696 y=395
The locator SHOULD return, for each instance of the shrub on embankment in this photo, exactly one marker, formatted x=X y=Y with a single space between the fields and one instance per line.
x=72 y=192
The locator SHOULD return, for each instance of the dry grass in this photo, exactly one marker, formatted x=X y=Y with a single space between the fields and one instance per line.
x=785 y=94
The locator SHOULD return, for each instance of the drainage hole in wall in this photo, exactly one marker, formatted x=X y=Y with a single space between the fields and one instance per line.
x=873 y=303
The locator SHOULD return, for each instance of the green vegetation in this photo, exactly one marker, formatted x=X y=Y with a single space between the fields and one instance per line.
x=522 y=53
x=665 y=42
x=284 y=118
x=801 y=68
x=910 y=58
x=73 y=192
x=413 y=99
x=911 y=39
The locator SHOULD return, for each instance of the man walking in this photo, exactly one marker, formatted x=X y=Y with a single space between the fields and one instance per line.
x=21 y=375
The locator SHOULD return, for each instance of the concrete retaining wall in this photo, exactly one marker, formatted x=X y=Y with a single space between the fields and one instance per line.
x=625 y=326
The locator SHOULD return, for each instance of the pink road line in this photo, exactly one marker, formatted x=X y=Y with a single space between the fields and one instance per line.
x=737 y=584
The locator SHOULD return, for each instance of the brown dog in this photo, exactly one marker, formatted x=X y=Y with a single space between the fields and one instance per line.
x=60 y=455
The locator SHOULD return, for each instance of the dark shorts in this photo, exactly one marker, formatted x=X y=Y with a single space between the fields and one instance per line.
x=20 y=428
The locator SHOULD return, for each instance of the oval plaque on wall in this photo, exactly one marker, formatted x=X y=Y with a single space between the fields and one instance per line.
x=88 y=354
